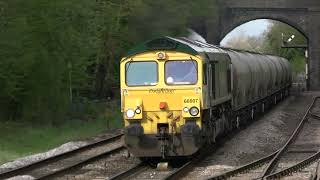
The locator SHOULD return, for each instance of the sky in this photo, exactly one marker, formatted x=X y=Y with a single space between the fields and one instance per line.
x=252 y=28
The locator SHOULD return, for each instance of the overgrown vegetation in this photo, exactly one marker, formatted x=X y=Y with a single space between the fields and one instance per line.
x=296 y=56
x=21 y=139
x=59 y=54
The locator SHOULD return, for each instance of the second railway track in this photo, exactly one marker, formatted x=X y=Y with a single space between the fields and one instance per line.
x=62 y=163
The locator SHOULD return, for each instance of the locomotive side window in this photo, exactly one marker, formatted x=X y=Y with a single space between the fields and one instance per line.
x=205 y=74
x=229 y=71
x=181 y=72
x=212 y=80
x=141 y=73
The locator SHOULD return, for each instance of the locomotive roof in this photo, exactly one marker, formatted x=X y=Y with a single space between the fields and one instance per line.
x=185 y=45
x=176 y=44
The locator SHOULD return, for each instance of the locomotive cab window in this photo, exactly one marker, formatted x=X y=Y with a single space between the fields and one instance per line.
x=141 y=73
x=183 y=72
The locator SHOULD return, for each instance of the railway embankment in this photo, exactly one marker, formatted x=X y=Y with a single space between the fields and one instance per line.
x=59 y=159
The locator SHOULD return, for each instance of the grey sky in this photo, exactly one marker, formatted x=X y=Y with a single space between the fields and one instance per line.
x=252 y=28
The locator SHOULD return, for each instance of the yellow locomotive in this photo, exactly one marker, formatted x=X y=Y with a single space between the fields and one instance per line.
x=177 y=94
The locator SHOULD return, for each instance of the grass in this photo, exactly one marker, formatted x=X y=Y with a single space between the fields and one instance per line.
x=22 y=139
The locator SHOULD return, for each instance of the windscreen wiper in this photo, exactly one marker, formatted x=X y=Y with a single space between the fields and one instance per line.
x=194 y=64
x=128 y=65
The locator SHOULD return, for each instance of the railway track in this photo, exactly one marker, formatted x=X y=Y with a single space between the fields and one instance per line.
x=130 y=172
x=180 y=172
x=144 y=171
x=141 y=171
x=293 y=157
x=62 y=163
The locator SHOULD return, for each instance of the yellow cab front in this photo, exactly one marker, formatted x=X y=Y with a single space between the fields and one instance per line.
x=161 y=95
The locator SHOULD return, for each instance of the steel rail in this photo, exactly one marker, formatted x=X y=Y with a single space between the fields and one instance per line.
x=127 y=173
x=188 y=166
x=302 y=164
x=244 y=168
x=21 y=170
x=178 y=173
x=293 y=137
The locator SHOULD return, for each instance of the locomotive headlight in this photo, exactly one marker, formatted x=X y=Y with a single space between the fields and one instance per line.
x=185 y=109
x=161 y=56
x=194 y=111
x=138 y=111
x=130 y=113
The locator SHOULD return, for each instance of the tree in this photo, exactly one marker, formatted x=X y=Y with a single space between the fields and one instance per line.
x=127 y=23
x=39 y=40
x=56 y=53
x=274 y=42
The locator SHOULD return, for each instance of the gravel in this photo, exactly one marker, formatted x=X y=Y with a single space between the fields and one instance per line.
x=103 y=168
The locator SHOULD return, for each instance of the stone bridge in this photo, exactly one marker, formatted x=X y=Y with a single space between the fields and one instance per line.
x=304 y=15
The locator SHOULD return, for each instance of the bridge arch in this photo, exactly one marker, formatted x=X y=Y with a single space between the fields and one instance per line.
x=235 y=25
x=239 y=17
